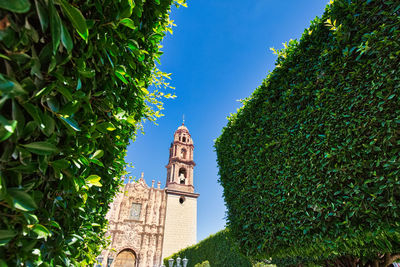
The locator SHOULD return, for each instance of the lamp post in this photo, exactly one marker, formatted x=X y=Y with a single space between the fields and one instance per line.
x=178 y=262
x=185 y=262
x=109 y=261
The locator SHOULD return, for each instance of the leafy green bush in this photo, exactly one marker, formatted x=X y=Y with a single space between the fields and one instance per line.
x=218 y=250
x=203 y=264
x=73 y=91
x=310 y=164
x=261 y=264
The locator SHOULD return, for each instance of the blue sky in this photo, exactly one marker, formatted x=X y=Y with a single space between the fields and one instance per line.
x=219 y=53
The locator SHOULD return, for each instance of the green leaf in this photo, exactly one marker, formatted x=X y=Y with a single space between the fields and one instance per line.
x=55 y=224
x=48 y=124
x=131 y=120
x=60 y=164
x=17 y=6
x=7 y=128
x=43 y=16
x=71 y=122
x=131 y=6
x=18 y=116
x=65 y=92
x=6 y=236
x=66 y=39
x=41 y=231
x=21 y=200
x=3 y=187
x=70 y=108
x=79 y=84
x=41 y=148
x=52 y=103
x=77 y=19
x=55 y=27
x=121 y=76
x=104 y=127
x=97 y=162
x=34 y=111
x=128 y=23
x=10 y=87
x=93 y=180
x=98 y=154
x=43 y=163
x=87 y=73
x=31 y=218
x=30 y=168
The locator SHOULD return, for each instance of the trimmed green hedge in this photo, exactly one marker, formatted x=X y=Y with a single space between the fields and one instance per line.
x=218 y=249
x=310 y=164
x=73 y=92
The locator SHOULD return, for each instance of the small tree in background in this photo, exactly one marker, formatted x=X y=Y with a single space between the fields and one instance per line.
x=73 y=92
x=310 y=164
x=203 y=264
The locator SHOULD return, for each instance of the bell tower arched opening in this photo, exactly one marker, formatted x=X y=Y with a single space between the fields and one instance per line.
x=182 y=175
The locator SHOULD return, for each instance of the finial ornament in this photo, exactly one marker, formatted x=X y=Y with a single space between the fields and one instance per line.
x=183 y=119
x=141 y=176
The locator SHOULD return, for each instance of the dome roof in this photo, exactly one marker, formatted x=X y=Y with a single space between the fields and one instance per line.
x=183 y=127
x=182 y=135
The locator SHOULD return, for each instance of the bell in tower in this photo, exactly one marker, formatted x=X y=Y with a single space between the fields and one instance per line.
x=180 y=165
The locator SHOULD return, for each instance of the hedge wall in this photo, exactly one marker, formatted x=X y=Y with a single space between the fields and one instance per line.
x=73 y=91
x=218 y=249
x=310 y=164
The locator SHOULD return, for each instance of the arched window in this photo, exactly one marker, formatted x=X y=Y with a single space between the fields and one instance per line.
x=182 y=175
x=183 y=153
x=184 y=139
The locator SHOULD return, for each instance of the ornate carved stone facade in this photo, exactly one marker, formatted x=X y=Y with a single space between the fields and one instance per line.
x=148 y=223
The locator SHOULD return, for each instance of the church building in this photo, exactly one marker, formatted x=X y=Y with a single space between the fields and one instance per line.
x=148 y=223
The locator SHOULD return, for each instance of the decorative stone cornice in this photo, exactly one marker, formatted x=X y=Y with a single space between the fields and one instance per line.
x=181 y=193
x=182 y=143
x=186 y=161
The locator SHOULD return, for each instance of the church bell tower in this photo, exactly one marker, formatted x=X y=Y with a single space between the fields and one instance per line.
x=180 y=165
x=181 y=207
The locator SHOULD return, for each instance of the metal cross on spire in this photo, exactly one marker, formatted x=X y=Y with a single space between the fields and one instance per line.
x=183 y=119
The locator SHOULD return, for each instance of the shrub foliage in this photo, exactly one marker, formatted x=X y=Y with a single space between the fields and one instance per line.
x=216 y=250
x=73 y=91
x=310 y=164
x=203 y=264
